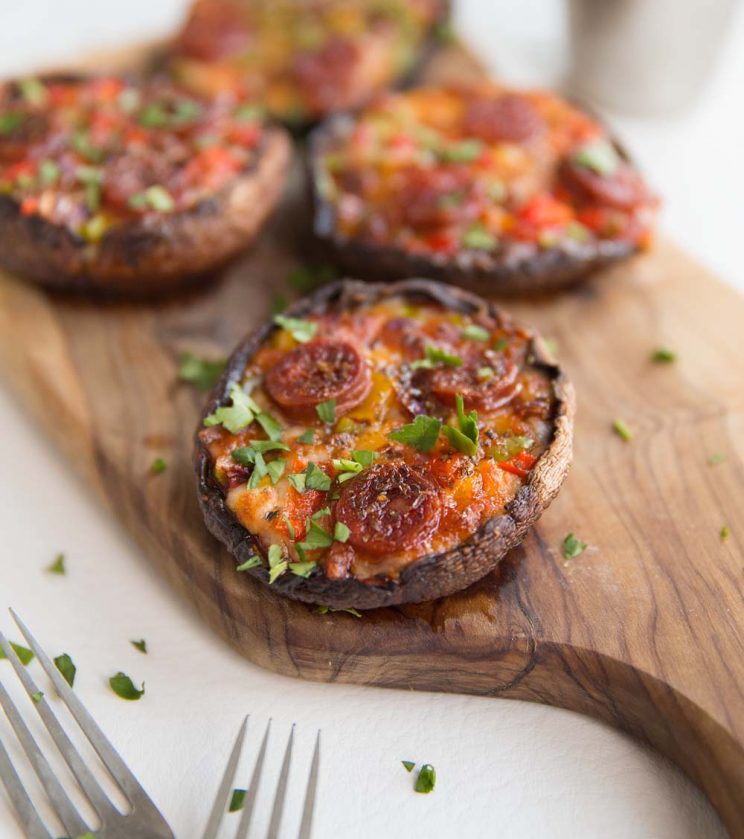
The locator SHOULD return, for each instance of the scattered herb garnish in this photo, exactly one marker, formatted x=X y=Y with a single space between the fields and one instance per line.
x=464 y=151
x=316 y=537
x=156 y=197
x=297 y=480
x=599 y=156
x=622 y=430
x=324 y=610
x=436 y=355
x=302 y=569
x=37 y=697
x=203 y=373
x=140 y=645
x=158 y=466
x=326 y=411
x=363 y=457
x=477 y=237
x=66 y=667
x=58 y=566
x=290 y=527
x=551 y=345
x=49 y=171
x=341 y=532
x=346 y=469
x=301 y=330
x=316 y=478
x=251 y=562
x=24 y=654
x=426 y=779
x=473 y=332
x=275 y=469
x=246 y=455
x=236 y=416
x=409 y=765
x=422 y=433
x=484 y=372
x=716 y=458
x=307 y=436
x=9 y=122
x=464 y=438
x=237 y=800
x=124 y=687
x=663 y=355
x=277 y=562
x=725 y=532
x=572 y=546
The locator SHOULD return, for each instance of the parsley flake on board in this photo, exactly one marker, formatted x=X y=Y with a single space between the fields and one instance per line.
x=140 y=645
x=124 y=687
x=37 y=697
x=158 y=466
x=663 y=355
x=66 y=667
x=58 y=566
x=251 y=562
x=326 y=411
x=426 y=779
x=622 y=430
x=409 y=765
x=436 y=355
x=422 y=433
x=724 y=533
x=572 y=546
x=203 y=373
x=301 y=330
x=473 y=332
x=24 y=654
x=716 y=458
x=237 y=800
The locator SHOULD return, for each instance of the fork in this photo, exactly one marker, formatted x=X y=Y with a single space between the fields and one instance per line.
x=220 y=803
x=141 y=821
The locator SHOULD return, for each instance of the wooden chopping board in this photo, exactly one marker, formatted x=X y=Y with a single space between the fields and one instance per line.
x=644 y=630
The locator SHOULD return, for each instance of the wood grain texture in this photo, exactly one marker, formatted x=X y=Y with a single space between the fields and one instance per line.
x=644 y=630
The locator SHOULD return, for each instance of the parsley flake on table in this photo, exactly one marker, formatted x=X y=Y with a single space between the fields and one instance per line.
x=326 y=411
x=158 y=466
x=140 y=645
x=572 y=546
x=24 y=654
x=716 y=458
x=251 y=562
x=725 y=533
x=434 y=356
x=422 y=433
x=409 y=765
x=473 y=332
x=203 y=373
x=426 y=779
x=37 y=697
x=621 y=429
x=66 y=667
x=58 y=566
x=663 y=355
x=237 y=800
x=301 y=330
x=124 y=687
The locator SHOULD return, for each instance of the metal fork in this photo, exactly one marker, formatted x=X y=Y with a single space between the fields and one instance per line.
x=142 y=820
x=221 y=800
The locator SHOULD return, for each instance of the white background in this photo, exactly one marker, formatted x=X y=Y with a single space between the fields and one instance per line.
x=506 y=769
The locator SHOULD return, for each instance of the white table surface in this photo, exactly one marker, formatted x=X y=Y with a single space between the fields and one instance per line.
x=505 y=768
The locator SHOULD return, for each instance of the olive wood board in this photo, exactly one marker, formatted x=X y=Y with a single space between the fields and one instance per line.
x=644 y=630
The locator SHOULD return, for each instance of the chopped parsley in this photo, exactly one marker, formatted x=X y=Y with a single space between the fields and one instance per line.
x=598 y=155
x=724 y=533
x=302 y=569
x=24 y=654
x=275 y=469
x=621 y=429
x=37 y=697
x=140 y=645
x=363 y=457
x=324 y=610
x=426 y=779
x=341 y=532
x=237 y=800
x=464 y=438
x=158 y=466
x=572 y=546
x=156 y=197
x=251 y=562
x=485 y=373
x=307 y=436
x=316 y=478
x=510 y=447
x=409 y=765
x=58 y=566
x=346 y=469
x=663 y=355
x=49 y=172
x=301 y=330
x=422 y=433
x=124 y=687
x=277 y=562
x=203 y=373
x=716 y=458
x=236 y=416
x=478 y=238
x=9 y=122
x=466 y=151
x=551 y=345
x=473 y=332
x=326 y=411
x=298 y=481
x=436 y=355
x=316 y=537
x=290 y=527
x=501 y=344
x=66 y=667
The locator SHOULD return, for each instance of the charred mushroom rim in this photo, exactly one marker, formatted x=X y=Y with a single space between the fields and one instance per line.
x=124 y=187
x=498 y=190
x=382 y=444
x=305 y=60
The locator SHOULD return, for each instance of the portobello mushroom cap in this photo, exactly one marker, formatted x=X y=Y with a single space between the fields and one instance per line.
x=434 y=575
x=516 y=269
x=149 y=257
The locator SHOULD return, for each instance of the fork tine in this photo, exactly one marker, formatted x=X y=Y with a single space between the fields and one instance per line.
x=306 y=824
x=250 y=796
x=27 y=815
x=65 y=809
x=220 y=802
x=281 y=790
x=110 y=757
x=93 y=791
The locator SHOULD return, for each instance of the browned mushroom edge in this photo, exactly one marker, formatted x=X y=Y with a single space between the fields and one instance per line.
x=432 y=576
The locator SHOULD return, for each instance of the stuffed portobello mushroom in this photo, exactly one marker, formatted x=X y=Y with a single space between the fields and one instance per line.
x=303 y=60
x=498 y=190
x=382 y=444
x=124 y=187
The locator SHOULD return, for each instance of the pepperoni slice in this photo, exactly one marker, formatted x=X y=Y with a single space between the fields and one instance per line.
x=432 y=198
x=317 y=372
x=622 y=190
x=389 y=508
x=510 y=118
x=484 y=394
